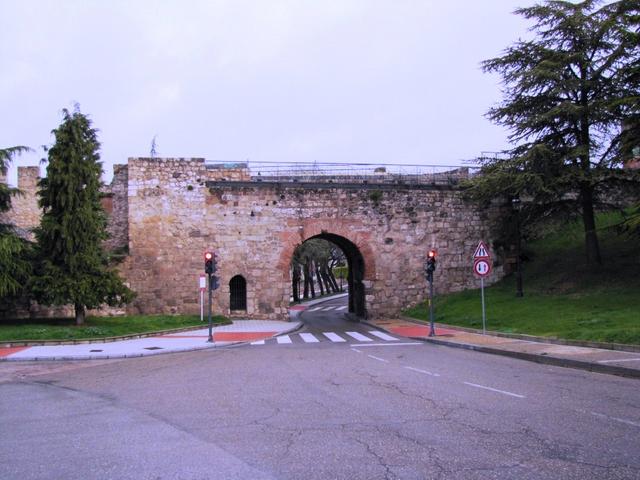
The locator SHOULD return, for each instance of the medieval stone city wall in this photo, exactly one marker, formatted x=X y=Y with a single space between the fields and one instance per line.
x=254 y=228
x=25 y=213
x=163 y=216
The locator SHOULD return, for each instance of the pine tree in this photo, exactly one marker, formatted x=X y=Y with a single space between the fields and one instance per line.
x=572 y=104
x=71 y=263
x=14 y=265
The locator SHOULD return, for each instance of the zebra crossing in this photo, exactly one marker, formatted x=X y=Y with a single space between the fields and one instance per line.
x=327 y=309
x=341 y=337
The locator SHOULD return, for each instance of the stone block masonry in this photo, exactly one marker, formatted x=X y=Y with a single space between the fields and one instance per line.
x=178 y=208
x=164 y=213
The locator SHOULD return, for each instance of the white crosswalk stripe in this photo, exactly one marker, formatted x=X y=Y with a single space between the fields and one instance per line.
x=359 y=337
x=314 y=309
x=340 y=337
x=326 y=309
x=342 y=308
x=334 y=337
x=309 y=338
x=382 y=335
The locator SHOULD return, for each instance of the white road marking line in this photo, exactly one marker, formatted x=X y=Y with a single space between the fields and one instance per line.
x=422 y=371
x=621 y=420
x=494 y=390
x=326 y=309
x=314 y=309
x=356 y=350
x=283 y=339
x=334 y=337
x=359 y=337
x=258 y=342
x=382 y=335
x=309 y=338
x=378 y=358
x=407 y=344
x=342 y=308
x=620 y=360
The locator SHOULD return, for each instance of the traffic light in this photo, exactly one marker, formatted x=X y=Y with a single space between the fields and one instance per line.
x=214 y=284
x=430 y=266
x=209 y=263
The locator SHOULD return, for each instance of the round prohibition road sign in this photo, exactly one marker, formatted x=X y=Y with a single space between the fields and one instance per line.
x=482 y=267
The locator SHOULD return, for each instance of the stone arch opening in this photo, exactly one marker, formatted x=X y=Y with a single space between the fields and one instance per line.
x=238 y=293
x=356 y=271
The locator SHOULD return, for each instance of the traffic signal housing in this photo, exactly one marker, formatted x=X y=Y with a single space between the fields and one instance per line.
x=430 y=265
x=209 y=263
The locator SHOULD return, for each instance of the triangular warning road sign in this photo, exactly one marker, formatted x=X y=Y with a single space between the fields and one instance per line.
x=481 y=251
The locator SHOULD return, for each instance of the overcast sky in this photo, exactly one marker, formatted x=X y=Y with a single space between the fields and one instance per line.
x=379 y=81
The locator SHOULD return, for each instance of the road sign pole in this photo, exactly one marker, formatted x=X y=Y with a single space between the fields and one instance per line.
x=201 y=305
x=210 y=339
x=484 y=317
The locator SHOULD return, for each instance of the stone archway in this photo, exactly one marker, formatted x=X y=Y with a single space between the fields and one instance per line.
x=356 y=264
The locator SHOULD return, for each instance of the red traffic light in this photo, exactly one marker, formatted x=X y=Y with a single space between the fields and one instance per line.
x=432 y=254
x=208 y=255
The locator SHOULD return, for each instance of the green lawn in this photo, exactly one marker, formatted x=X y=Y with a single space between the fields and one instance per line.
x=96 y=327
x=564 y=297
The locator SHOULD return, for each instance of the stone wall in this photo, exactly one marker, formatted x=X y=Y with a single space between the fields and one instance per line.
x=254 y=228
x=167 y=212
x=117 y=209
x=25 y=213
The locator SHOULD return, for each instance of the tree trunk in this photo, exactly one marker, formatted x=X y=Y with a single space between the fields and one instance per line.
x=295 y=282
x=319 y=278
x=327 y=281
x=309 y=276
x=79 y=308
x=305 y=271
x=332 y=279
x=589 y=221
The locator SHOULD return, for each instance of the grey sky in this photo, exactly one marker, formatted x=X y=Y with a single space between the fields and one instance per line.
x=393 y=81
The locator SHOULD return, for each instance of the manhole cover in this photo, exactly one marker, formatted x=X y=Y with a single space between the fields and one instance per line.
x=153 y=348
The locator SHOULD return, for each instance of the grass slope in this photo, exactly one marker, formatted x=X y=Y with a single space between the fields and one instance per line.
x=564 y=297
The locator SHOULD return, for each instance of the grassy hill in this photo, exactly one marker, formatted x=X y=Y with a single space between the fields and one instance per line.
x=564 y=297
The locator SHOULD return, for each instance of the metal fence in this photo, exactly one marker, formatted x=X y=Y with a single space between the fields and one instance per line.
x=316 y=172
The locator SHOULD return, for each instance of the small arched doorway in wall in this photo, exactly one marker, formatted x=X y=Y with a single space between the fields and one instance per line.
x=238 y=293
x=356 y=271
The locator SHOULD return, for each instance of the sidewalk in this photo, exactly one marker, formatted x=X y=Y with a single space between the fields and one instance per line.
x=534 y=349
x=238 y=332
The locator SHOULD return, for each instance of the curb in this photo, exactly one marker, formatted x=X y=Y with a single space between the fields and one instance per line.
x=621 y=347
x=531 y=357
x=543 y=359
x=141 y=354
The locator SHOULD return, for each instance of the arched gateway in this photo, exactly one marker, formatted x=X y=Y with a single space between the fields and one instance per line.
x=356 y=268
x=175 y=209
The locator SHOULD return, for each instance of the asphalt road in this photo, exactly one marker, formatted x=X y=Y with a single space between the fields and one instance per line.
x=322 y=410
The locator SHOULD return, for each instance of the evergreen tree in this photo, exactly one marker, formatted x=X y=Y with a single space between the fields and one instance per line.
x=71 y=263
x=14 y=265
x=572 y=104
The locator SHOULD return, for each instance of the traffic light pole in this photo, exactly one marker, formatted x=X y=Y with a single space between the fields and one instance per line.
x=432 y=330
x=210 y=339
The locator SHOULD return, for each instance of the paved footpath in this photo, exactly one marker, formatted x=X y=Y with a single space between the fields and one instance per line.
x=603 y=360
x=239 y=332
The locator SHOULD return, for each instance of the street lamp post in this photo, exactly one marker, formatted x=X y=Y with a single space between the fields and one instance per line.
x=516 y=204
